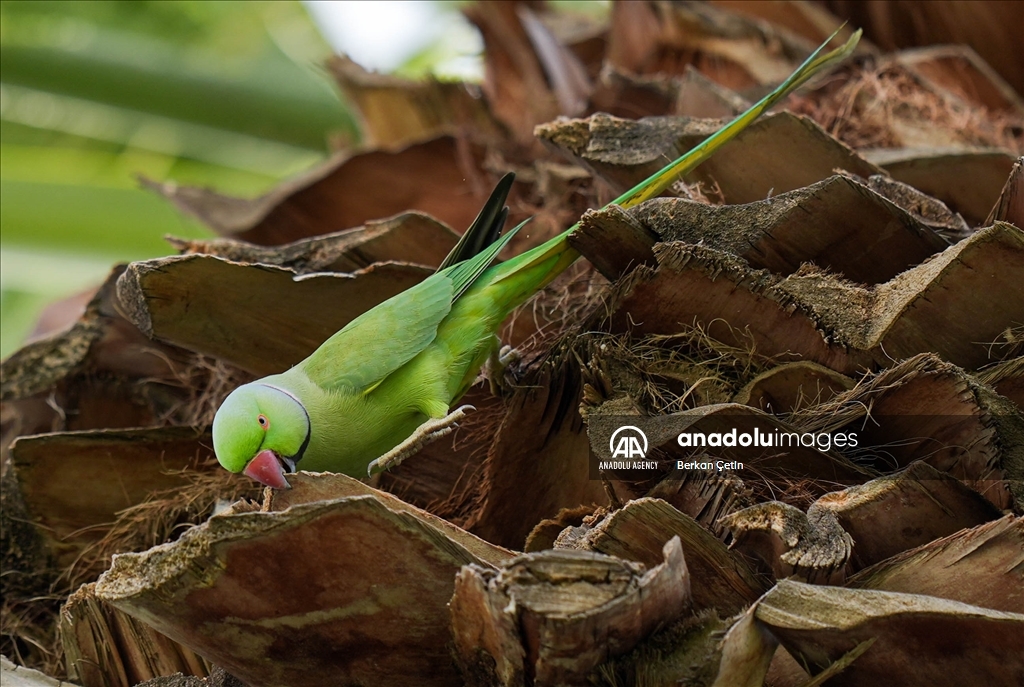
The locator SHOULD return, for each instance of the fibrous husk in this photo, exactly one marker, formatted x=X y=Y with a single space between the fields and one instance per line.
x=547 y=531
x=925 y=409
x=614 y=240
x=788 y=152
x=1007 y=377
x=85 y=496
x=990 y=28
x=346 y=589
x=838 y=224
x=100 y=373
x=538 y=461
x=946 y=304
x=705 y=496
x=888 y=105
x=894 y=513
x=747 y=650
x=73 y=484
x=958 y=69
x=311 y=488
x=982 y=565
x=792 y=386
x=551 y=617
x=868 y=230
x=218 y=677
x=662 y=374
x=638 y=531
x=931 y=212
x=41 y=365
x=686 y=652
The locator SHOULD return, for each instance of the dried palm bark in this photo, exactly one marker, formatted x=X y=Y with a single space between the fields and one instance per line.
x=387 y=182
x=106 y=647
x=828 y=272
x=825 y=319
x=286 y=318
x=19 y=676
x=787 y=151
x=355 y=587
x=983 y=566
x=1009 y=207
x=857 y=527
x=549 y=618
x=911 y=635
x=637 y=532
x=939 y=172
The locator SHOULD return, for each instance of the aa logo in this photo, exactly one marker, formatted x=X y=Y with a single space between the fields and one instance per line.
x=628 y=442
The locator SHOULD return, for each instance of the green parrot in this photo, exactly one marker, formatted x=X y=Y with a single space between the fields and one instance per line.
x=380 y=388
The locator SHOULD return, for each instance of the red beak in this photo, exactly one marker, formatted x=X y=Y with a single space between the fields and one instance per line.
x=266 y=468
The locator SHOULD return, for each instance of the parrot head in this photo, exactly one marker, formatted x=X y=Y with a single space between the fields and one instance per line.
x=262 y=431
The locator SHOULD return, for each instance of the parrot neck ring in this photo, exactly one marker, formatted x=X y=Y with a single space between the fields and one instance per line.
x=292 y=461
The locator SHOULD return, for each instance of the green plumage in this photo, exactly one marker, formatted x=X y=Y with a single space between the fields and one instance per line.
x=408 y=360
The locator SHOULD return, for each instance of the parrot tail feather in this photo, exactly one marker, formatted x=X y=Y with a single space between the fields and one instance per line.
x=539 y=266
x=486 y=228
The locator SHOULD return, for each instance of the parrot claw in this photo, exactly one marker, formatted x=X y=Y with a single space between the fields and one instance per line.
x=508 y=355
x=428 y=432
x=496 y=366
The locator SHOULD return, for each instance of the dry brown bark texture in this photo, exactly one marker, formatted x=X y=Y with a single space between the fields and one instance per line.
x=850 y=264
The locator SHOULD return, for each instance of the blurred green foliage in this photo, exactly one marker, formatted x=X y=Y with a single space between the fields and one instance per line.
x=224 y=94
x=229 y=95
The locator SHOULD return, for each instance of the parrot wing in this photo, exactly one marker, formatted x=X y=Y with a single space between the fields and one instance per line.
x=382 y=339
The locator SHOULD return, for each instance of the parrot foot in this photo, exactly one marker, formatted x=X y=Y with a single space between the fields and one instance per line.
x=496 y=366
x=428 y=432
x=508 y=355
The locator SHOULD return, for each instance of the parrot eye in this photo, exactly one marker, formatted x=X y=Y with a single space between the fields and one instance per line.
x=264 y=422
